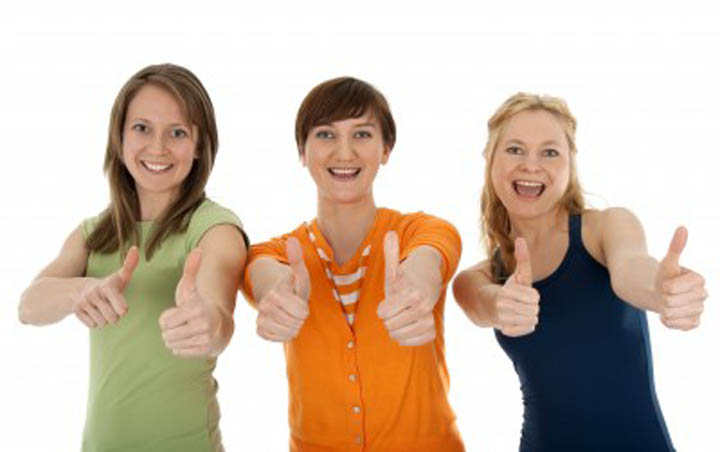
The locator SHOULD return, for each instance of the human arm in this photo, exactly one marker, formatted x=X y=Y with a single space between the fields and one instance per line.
x=675 y=292
x=61 y=289
x=281 y=292
x=513 y=307
x=412 y=287
x=201 y=324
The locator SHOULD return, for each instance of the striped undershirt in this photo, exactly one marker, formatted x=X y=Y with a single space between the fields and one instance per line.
x=346 y=282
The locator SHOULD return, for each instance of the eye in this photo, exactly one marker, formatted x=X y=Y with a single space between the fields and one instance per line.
x=139 y=127
x=363 y=134
x=550 y=153
x=514 y=150
x=324 y=134
x=178 y=133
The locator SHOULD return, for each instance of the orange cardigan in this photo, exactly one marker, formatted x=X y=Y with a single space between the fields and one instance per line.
x=355 y=389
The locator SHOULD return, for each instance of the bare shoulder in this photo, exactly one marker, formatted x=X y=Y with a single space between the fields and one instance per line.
x=224 y=240
x=603 y=228
x=72 y=259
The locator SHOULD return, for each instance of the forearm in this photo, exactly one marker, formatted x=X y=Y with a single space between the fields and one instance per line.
x=220 y=338
x=264 y=274
x=49 y=299
x=476 y=297
x=634 y=281
x=425 y=264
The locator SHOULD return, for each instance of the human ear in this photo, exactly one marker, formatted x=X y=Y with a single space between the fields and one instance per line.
x=386 y=154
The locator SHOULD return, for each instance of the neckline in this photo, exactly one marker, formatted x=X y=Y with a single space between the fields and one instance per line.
x=352 y=263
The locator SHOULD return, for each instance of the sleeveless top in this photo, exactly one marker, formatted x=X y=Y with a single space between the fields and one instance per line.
x=141 y=398
x=586 y=371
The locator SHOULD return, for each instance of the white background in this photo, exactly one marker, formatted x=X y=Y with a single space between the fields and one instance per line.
x=641 y=79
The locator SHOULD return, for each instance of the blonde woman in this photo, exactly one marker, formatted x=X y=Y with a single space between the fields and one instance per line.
x=566 y=289
x=154 y=276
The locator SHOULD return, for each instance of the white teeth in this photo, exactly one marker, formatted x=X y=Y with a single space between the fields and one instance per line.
x=529 y=184
x=156 y=166
x=344 y=171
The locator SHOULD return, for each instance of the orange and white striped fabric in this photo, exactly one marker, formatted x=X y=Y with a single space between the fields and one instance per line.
x=347 y=280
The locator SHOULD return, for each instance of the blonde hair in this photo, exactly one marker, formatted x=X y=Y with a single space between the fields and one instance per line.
x=495 y=225
x=117 y=228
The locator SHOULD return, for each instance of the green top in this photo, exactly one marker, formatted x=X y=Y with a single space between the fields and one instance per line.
x=141 y=397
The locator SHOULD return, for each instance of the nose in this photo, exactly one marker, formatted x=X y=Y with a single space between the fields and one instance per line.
x=157 y=144
x=530 y=162
x=345 y=150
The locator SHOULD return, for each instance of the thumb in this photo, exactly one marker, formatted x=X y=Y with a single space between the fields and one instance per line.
x=523 y=269
x=129 y=264
x=677 y=245
x=301 y=277
x=187 y=283
x=391 y=249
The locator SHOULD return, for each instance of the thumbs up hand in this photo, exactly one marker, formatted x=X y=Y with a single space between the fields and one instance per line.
x=283 y=309
x=410 y=297
x=681 y=292
x=517 y=303
x=102 y=301
x=188 y=328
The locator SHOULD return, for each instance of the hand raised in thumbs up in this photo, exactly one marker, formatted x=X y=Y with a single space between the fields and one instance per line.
x=517 y=303
x=410 y=293
x=282 y=310
x=102 y=301
x=681 y=291
x=188 y=328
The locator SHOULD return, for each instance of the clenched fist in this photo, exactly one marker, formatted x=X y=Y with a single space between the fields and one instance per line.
x=517 y=303
x=681 y=292
x=102 y=301
x=283 y=309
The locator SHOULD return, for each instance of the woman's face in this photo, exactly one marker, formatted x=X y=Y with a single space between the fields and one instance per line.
x=343 y=158
x=158 y=142
x=531 y=167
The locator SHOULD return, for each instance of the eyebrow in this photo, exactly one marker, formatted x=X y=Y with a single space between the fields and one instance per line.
x=364 y=124
x=521 y=142
x=174 y=124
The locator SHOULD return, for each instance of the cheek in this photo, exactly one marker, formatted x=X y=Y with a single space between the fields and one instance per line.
x=186 y=152
x=560 y=172
x=498 y=172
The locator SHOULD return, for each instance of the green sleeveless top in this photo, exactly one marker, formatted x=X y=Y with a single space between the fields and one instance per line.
x=141 y=397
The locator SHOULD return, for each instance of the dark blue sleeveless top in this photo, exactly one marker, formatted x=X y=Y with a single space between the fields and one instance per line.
x=586 y=371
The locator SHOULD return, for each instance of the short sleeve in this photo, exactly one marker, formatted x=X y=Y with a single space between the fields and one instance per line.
x=273 y=248
x=421 y=229
x=207 y=215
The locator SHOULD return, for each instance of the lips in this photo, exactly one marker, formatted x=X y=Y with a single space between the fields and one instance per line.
x=344 y=173
x=528 y=189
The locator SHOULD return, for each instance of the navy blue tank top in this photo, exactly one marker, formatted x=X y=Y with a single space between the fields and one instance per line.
x=586 y=371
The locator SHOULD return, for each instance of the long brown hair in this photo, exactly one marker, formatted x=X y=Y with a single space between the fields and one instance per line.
x=495 y=225
x=117 y=227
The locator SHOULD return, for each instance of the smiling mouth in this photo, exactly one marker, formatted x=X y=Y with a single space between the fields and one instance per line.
x=344 y=174
x=528 y=189
x=156 y=168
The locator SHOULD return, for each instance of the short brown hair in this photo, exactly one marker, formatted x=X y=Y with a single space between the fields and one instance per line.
x=117 y=227
x=342 y=98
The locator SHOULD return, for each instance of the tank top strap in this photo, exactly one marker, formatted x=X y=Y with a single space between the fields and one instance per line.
x=575 y=231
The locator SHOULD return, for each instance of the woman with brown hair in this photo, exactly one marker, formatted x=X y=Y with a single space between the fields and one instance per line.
x=154 y=276
x=566 y=289
x=357 y=294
